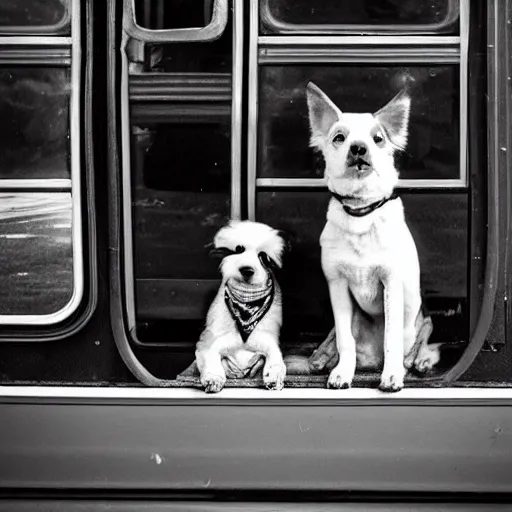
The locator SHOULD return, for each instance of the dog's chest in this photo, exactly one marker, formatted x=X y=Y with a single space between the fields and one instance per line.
x=361 y=259
x=355 y=254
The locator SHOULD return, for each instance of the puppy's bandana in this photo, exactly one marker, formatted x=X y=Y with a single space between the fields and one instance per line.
x=248 y=304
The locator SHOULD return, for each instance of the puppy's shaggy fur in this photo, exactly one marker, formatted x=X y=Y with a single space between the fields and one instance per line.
x=368 y=254
x=252 y=252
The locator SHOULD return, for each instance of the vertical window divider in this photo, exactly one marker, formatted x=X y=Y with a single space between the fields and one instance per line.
x=464 y=56
x=127 y=235
x=252 y=125
x=236 y=110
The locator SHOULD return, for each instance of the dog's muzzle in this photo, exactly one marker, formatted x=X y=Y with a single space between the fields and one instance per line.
x=358 y=163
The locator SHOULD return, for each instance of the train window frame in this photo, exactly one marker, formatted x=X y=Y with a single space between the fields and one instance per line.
x=122 y=308
x=40 y=49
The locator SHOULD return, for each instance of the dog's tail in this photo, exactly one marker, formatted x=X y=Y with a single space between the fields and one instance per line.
x=322 y=360
x=297 y=365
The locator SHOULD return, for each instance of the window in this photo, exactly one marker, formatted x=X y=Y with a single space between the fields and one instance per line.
x=36 y=17
x=371 y=16
x=41 y=178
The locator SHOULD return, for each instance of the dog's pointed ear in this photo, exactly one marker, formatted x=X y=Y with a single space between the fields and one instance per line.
x=394 y=118
x=323 y=113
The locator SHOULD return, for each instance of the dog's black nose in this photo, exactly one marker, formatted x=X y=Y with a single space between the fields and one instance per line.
x=246 y=272
x=358 y=149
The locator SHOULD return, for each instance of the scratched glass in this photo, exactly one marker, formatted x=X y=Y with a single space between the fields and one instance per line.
x=34 y=132
x=36 y=256
x=35 y=16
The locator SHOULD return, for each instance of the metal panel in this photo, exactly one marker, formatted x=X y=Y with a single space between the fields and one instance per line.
x=330 y=445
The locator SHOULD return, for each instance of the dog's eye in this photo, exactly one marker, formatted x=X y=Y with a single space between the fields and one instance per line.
x=377 y=139
x=339 y=139
x=239 y=249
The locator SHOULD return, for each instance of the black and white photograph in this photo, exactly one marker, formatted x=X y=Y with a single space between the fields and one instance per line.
x=255 y=255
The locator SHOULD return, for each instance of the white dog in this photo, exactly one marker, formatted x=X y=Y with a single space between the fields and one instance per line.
x=244 y=320
x=369 y=257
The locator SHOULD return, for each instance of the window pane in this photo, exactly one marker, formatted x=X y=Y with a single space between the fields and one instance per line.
x=433 y=148
x=169 y=14
x=214 y=57
x=434 y=15
x=181 y=197
x=36 y=258
x=439 y=225
x=35 y=15
x=34 y=132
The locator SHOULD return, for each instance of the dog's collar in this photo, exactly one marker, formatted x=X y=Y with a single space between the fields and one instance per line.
x=366 y=210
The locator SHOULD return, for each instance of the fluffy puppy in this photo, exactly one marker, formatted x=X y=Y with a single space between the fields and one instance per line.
x=244 y=320
x=369 y=257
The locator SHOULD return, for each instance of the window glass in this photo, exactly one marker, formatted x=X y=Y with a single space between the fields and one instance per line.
x=432 y=152
x=194 y=57
x=434 y=15
x=36 y=266
x=34 y=132
x=35 y=15
x=181 y=186
x=180 y=102
x=211 y=57
x=169 y=14
x=181 y=197
x=438 y=223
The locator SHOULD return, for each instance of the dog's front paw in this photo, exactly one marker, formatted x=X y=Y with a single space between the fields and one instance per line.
x=273 y=376
x=213 y=383
x=427 y=358
x=340 y=378
x=392 y=383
